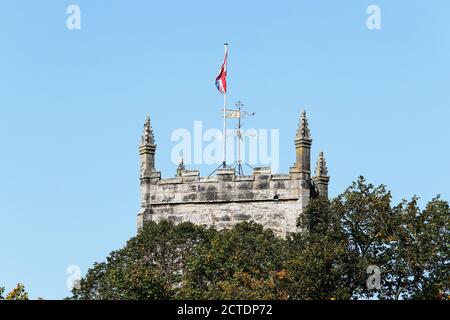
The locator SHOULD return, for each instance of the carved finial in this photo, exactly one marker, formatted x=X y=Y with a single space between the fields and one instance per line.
x=321 y=166
x=181 y=167
x=147 y=137
x=303 y=129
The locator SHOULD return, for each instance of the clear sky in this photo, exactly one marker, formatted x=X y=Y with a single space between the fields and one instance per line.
x=73 y=103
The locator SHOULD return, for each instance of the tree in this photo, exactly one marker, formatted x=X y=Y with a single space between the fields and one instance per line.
x=340 y=239
x=245 y=262
x=409 y=245
x=148 y=267
x=339 y=242
x=317 y=256
x=359 y=229
x=431 y=268
x=367 y=222
x=18 y=293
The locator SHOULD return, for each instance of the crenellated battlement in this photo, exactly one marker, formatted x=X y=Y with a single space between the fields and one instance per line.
x=225 y=187
x=273 y=200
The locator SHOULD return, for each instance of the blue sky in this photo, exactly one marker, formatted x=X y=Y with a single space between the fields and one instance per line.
x=72 y=106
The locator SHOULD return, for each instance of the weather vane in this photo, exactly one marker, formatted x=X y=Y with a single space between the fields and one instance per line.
x=239 y=114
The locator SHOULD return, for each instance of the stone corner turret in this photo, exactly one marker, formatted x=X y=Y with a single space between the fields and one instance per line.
x=147 y=152
x=321 y=178
x=303 y=142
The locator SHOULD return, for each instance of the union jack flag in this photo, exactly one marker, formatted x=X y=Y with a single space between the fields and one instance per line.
x=221 y=79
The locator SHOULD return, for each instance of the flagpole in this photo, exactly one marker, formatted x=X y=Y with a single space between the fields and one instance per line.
x=239 y=139
x=225 y=118
x=224 y=131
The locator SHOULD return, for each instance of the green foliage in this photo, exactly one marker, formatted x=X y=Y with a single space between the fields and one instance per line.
x=148 y=267
x=429 y=264
x=18 y=293
x=367 y=223
x=245 y=262
x=318 y=255
x=360 y=228
x=327 y=259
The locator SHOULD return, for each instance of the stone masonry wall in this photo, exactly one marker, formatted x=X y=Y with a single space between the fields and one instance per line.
x=273 y=200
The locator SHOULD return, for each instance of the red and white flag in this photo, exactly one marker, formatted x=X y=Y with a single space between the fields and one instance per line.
x=221 y=79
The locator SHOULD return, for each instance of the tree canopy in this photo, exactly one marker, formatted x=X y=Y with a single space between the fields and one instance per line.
x=18 y=293
x=355 y=246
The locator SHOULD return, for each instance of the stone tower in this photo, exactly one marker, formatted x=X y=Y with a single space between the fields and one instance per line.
x=272 y=200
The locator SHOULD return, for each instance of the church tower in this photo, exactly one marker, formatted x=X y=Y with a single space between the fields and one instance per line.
x=274 y=200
